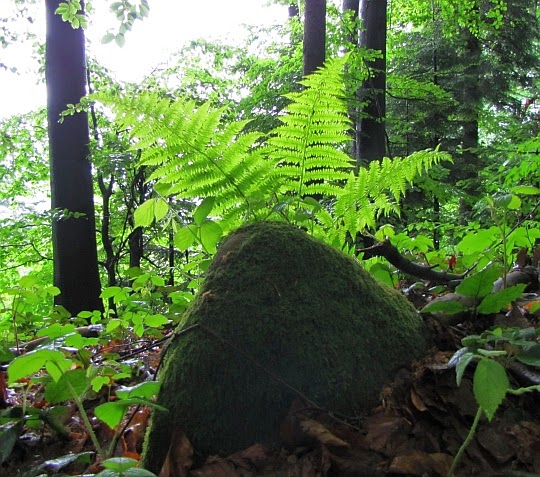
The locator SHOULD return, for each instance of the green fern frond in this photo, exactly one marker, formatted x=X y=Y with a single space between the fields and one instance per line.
x=193 y=154
x=377 y=189
x=308 y=143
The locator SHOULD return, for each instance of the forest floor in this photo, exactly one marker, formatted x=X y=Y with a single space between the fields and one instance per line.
x=421 y=422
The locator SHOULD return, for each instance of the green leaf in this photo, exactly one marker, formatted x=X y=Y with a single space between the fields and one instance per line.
x=107 y=38
x=6 y=355
x=30 y=363
x=99 y=381
x=120 y=464
x=120 y=40
x=211 y=233
x=185 y=237
x=61 y=391
x=110 y=292
x=495 y=302
x=9 y=435
x=160 y=208
x=144 y=215
x=526 y=190
x=111 y=413
x=530 y=355
x=155 y=321
x=446 y=307
x=203 y=210
x=461 y=366
x=490 y=386
x=479 y=284
x=146 y=390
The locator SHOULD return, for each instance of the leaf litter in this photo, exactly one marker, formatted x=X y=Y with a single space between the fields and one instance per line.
x=422 y=420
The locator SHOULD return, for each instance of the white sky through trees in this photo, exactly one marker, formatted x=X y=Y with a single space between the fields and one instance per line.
x=170 y=25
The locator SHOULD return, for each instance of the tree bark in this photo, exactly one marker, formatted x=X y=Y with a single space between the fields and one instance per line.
x=314 y=35
x=74 y=237
x=353 y=6
x=372 y=140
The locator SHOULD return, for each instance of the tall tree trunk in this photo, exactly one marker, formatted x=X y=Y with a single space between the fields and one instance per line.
x=353 y=7
x=74 y=236
x=471 y=97
x=372 y=143
x=314 y=35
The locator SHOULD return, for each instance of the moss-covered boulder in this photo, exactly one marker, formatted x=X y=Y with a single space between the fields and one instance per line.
x=278 y=298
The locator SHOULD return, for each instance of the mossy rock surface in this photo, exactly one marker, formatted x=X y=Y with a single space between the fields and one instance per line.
x=305 y=312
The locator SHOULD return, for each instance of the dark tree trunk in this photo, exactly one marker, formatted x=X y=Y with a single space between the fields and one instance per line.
x=139 y=190
x=314 y=35
x=471 y=97
x=372 y=140
x=74 y=236
x=353 y=6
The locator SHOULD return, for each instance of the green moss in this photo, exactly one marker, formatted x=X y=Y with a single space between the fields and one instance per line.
x=307 y=313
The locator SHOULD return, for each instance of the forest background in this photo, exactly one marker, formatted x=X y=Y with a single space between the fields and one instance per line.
x=445 y=92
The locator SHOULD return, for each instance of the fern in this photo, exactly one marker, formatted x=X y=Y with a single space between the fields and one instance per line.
x=377 y=189
x=193 y=154
x=307 y=143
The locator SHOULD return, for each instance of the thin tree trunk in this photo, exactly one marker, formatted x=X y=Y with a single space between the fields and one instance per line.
x=74 y=238
x=353 y=6
x=372 y=143
x=314 y=35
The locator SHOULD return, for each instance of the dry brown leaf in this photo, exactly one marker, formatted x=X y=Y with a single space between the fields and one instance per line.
x=417 y=401
x=254 y=457
x=420 y=463
x=387 y=433
x=179 y=456
x=221 y=468
x=134 y=434
x=321 y=434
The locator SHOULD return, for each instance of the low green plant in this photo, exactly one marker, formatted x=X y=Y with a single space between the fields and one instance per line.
x=123 y=467
x=491 y=351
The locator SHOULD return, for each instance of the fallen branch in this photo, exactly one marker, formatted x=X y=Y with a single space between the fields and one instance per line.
x=387 y=250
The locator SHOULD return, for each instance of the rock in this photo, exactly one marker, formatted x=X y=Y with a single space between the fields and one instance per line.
x=278 y=306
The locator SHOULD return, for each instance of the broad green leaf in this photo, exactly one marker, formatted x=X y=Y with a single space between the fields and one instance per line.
x=109 y=292
x=156 y=321
x=479 y=284
x=184 y=238
x=146 y=389
x=461 y=366
x=107 y=38
x=120 y=464
x=490 y=386
x=530 y=355
x=160 y=208
x=55 y=465
x=9 y=435
x=6 y=355
x=28 y=281
x=495 y=302
x=144 y=214
x=526 y=190
x=99 y=381
x=211 y=233
x=120 y=40
x=111 y=413
x=55 y=330
x=30 y=363
x=58 y=366
x=61 y=390
x=478 y=241
x=203 y=210
x=446 y=307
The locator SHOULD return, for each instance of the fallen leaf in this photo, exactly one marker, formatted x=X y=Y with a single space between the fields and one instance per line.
x=321 y=434
x=418 y=463
x=179 y=456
